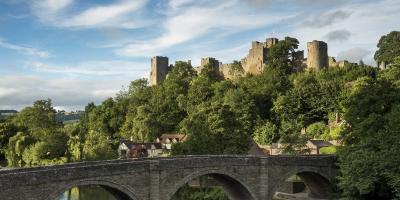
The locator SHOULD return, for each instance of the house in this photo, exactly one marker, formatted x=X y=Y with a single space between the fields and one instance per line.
x=130 y=149
x=315 y=145
x=255 y=149
x=166 y=140
x=272 y=149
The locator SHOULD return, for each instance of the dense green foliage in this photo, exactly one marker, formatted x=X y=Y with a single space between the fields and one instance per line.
x=34 y=137
x=369 y=161
x=221 y=116
x=191 y=193
x=389 y=48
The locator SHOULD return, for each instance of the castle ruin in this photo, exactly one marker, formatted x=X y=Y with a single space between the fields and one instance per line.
x=256 y=58
x=317 y=55
x=159 y=69
x=255 y=61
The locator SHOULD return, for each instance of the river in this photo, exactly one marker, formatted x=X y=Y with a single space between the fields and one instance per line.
x=90 y=192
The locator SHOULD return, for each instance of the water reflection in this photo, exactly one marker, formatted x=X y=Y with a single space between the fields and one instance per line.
x=88 y=192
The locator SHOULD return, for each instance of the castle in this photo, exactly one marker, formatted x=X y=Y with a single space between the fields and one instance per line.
x=255 y=61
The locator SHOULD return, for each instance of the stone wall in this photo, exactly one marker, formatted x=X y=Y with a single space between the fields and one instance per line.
x=225 y=71
x=255 y=61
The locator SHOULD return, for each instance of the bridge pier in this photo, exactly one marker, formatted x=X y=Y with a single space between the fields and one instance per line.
x=154 y=180
x=242 y=177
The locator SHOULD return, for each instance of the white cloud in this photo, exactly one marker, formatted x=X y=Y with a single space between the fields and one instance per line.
x=71 y=94
x=52 y=5
x=186 y=22
x=326 y=19
x=353 y=54
x=367 y=23
x=106 y=15
x=30 y=51
x=96 y=68
x=4 y=92
x=60 y=13
x=338 y=35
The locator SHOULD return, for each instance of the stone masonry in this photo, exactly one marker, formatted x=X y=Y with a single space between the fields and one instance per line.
x=242 y=177
x=256 y=60
x=159 y=69
x=317 y=55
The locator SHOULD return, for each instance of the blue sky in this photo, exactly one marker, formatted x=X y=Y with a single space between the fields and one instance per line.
x=76 y=52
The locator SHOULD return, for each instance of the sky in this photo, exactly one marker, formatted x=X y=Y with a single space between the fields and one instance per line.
x=75 y=52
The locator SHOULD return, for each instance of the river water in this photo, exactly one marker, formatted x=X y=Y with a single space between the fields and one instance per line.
x=89 y=192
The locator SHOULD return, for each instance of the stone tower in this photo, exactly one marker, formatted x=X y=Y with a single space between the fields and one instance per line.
x=255 y=59
x=210 y=61
x=271 y=42
x=317 y=55
x=159 y=69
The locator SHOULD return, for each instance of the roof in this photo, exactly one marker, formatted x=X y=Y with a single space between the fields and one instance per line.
x=130 y=144
x=178 y=137
x=320 y=143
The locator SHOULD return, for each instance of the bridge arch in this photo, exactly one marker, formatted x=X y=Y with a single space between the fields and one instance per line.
x=234 y=187
x=318 y=183
x=114 y=188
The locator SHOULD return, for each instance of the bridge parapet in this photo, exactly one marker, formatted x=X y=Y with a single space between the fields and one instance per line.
x=158 y=178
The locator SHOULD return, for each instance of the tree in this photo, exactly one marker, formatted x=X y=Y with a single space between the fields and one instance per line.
x=393 y=73
x=98 y=147
x=212 y=129
x=266 y=133
x=293 y=142
x=369 y=160
x=388 y=48
x=16 y=148
x=40 y=139
x=280 y=55
x=7 y=130
x=236 y=69
x=141 y=126
x=37 y=118
x=316 y=130
x=244 y=108
x=264 y=89
x=48 y=152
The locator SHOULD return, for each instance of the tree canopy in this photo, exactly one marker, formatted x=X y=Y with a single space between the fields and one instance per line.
x=388 y=47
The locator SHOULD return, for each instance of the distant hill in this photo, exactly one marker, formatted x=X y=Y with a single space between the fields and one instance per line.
x=61 y=116
x=6 y=113
x=68 y=117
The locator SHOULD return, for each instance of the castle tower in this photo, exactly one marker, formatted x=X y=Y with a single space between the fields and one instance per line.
x=159 y=69
x=271 y=42
x=209 y=61
x=317 y=55
x=255 y=59
x=254 y=62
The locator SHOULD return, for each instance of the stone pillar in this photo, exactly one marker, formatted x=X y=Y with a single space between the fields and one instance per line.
x=154 y=180
x=264 y=179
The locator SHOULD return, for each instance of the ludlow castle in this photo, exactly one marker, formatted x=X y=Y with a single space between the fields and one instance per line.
x=254 y=62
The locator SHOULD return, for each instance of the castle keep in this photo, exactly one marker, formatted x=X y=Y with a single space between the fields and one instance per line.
x=159 y=69
x=255 y=61
x=317 y=55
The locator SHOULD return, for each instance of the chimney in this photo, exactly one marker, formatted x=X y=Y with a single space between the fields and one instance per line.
x=337 y=118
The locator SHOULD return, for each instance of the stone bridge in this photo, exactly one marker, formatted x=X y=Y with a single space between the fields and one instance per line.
x=242 y=177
